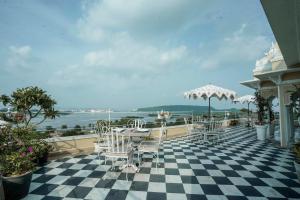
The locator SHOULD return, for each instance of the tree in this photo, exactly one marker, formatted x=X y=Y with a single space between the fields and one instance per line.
x=29 y=102
x=261 y=105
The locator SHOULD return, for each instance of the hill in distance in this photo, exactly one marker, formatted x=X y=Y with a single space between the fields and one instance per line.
x=180 y=108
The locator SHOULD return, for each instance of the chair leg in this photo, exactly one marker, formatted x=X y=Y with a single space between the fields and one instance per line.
x=157 y=157
x=139 y=158
x=127 y=169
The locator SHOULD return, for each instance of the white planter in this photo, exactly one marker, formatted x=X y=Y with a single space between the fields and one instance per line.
x=261 y=132
x=299 y=121
x=297 y=168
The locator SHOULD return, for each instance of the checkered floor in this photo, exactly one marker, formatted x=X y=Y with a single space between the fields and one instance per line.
x=242 y=168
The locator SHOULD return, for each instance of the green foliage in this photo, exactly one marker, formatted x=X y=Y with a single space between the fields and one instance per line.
x=297 y=152
x=64 y=126
x=233 y=122
x=295 y=100
x=29 y=102
x=261 y=104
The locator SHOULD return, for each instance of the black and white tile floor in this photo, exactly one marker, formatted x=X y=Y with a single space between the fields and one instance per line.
x=242 y=168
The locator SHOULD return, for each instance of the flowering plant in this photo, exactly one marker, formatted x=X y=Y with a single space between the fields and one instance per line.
x=15 y=156
x=163 y=115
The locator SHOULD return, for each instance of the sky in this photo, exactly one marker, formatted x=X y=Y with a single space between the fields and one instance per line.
x=129 y=54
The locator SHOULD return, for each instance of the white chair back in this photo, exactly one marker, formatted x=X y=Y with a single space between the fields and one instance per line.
x=136 y=123
x=119 y=142
x=103 y=131
x=162 y=133
x=188 y=126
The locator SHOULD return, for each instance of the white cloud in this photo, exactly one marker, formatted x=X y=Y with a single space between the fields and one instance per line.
x=238 y=47
x=103 y=19
x=18 y=57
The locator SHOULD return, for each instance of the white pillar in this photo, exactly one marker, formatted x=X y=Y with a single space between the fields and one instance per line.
x=283 y=117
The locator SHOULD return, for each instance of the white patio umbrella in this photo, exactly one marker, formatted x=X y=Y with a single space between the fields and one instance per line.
x=209 y=91
x=245 y=99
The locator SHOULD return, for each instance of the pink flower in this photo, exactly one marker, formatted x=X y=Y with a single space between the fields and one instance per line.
x=23 y=154
x=30 y=149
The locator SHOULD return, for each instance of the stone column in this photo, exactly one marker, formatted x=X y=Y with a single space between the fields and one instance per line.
x=283 y=117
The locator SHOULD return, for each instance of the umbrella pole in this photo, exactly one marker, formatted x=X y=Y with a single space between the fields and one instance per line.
x=248 y=115
x=209 y=108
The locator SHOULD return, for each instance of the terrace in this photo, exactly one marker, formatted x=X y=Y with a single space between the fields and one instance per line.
x=239 y=168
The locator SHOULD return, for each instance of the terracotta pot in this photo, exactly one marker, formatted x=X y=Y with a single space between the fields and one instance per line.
x=16 y=187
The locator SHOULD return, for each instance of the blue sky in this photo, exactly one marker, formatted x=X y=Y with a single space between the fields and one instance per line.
x=129 y=54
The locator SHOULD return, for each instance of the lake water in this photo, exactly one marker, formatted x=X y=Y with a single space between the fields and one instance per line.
x=86 y=118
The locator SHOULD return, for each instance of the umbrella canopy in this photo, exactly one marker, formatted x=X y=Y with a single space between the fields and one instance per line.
x=245 y=99
x=209 y=91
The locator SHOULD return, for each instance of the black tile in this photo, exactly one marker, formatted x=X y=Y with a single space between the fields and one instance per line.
x=237 y=198
x=189 y=179
x=210 y=166
x=42 y=170
x=90 y=167
x=85 y=161
x=170 y=160
x=183 y=166
x=256 y=182
x=130 y=176
x=116 y=195
x=52 y=198
x=211 y=189
x=139 y=186
x=174 y=188
x=44 y=189
x=105 y=183
x=194 y=161
x=200 y=172
x=289 y=182
x=68 y=172
x=237 y=167
x=156 y=196
x=43 y=178
x=265 y=168
x=65 y=165
x=195 y=197
x=73 y=181
x=222 y=180
x=260 y=174
x=230 y=173
x=169 y=171
x=287 y=192
x=79 y=192
x=159 y=165
x=157 y=178
x=145 y=170
x=290 y=175
x=97 y=174
x=218 y=162
x=249 y=191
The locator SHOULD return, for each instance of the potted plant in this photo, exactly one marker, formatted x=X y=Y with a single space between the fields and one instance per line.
x=297 y=159
x=41 y=151
x=270 y=125
x=261 y=128
x=16 y=162
x=295 y=102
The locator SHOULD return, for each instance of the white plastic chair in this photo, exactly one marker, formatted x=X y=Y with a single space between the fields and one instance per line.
x=120 y=149
x=103 y=131
x=152 y=146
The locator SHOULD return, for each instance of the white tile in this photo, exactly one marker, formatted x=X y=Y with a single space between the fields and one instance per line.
x=182 y=161
x=230 y=190
x=61 y=190
x=186 y=172
x=244 y=173
x=176 y=196
x=33 y=197
x=192 y=189
x=273 y=182
x=73 y=160
x=97 y=193
x=103 y=168
x=111 y=175
x=171 y=165
x=205 y=180
x=197 y=166
x=136 y=195
x=156 y=187
x=55 y=171
x=58 y=179
x=223 y=167
x=206 y=162
x=216 y=197
x=122 y=185
x=160 y=171
x=89 y=182
x=239 y=181
x=34 y=185
x=141 y=177
x=268 y=191
x=53 y=164
x=83 y=173
x=215 y=172
x=77 y=166
x=173 y=179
